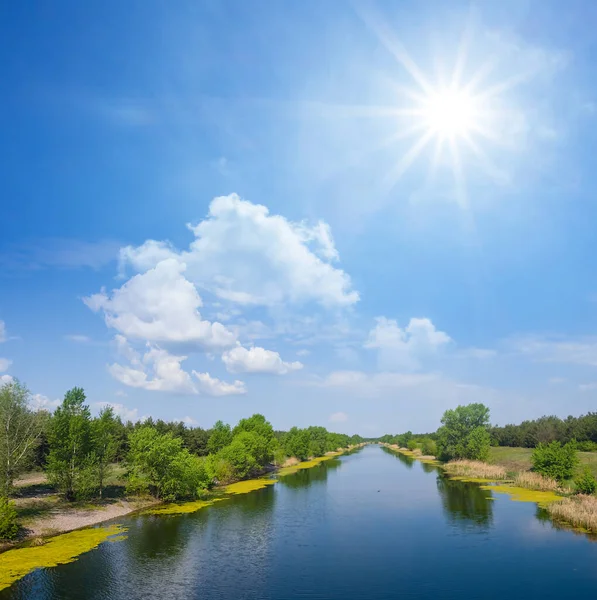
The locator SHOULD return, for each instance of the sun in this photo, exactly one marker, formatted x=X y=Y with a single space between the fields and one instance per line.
x=449 y=113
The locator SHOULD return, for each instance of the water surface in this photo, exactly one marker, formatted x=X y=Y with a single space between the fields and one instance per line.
x=370 y=525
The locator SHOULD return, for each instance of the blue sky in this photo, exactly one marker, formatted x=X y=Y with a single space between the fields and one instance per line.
x=269 y=190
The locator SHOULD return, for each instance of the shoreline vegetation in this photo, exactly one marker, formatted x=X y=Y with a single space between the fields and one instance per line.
x=60 y=547
x=555 y=475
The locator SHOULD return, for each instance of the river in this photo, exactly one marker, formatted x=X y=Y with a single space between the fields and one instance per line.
x=370 y=525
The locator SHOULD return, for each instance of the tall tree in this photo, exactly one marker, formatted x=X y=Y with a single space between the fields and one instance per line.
x=104 y=443
x=69 y=442
x=463 y=433
x=20 y=430
x=221 y=436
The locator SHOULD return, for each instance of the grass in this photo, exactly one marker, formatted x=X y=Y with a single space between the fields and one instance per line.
x=474 y=469
x=519 y=459
x=578 y=511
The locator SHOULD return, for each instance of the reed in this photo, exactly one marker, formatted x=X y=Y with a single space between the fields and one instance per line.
x=475 y=469
x=535 y=481
x=578 y=511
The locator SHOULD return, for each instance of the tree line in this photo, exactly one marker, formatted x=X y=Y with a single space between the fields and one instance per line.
x=168 y=460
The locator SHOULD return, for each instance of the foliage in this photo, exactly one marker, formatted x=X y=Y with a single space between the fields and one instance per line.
x=547 y=429
x=297 y=443
x=463 y=433
x=104 y=445
x=238 y=456
x=20 y=430
x=160 y=465
x=412 y=444
x=70 y=442
x=429 y=447
x=221 y=436
x=555 y=460
x=8 y=519
x=585 y=483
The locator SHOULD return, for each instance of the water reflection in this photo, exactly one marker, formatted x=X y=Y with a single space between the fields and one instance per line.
x=465 y=505
x=307 y=477
x=407 y=461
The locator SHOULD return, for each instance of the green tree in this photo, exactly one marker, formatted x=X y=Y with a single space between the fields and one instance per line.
x=69 y=438
x=555 y=460
x=104 y=442
x=220 y=436
x=238 y=456
x=478 y=444
x=457 y=426
x=8 y=519
x=158 y=463
x=20 y=430
x=586 y=483
x=257 y=446
x=296 y=443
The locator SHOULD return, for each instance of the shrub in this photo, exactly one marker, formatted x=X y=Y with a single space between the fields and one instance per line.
x=8 y=519
x=429 y=447
x=239 y=457
x=586 y=446
x=554 y=460
x=585 y=483
x=412 y=444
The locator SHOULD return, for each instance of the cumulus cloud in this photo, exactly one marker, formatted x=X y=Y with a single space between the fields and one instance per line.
x=160 y=305
x=338 y=417
x=405 y=348
x=247 y=256
x=211 y=386
x=257 y=360
x=5 y=379
x=4 y=364
x=158 y=370
x=41 y=402
x=125 y=413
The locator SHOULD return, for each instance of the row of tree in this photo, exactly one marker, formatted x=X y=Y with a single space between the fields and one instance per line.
x=169 y=460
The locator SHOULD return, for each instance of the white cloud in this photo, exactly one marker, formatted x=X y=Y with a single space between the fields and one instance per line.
x=190 y=421
x=120 y=393
x=125 y=413
x=5 y=379
x=4 y=364
x=158 y=370
x=338 y=417
x=41 y=402
x=373 y=384
x=587 y=387
x=303 y=352
x=405 y=348
x=479 y=353
x=161 y=306
x=577 y=351
x=210 y=386
x=75 y=337
x=257 y=360
x=245 y=255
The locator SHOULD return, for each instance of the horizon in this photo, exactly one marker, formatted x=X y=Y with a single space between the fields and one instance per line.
x=352 y=216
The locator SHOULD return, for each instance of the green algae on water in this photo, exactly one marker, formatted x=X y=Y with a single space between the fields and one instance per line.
x=181 y=508
x=519 y=494
x=248 y=485
x=58 y=550
x=307 y=464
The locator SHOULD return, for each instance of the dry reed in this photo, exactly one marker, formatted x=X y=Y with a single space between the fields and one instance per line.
x=475 y=469
x=535 y=481
x=578 y=511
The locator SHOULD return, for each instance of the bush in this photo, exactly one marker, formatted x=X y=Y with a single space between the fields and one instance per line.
x=8 y=519
x=554 y=460
x=586 y=483
x=429 y=447
x=412 y=444
x=239 y=457
x=586 y=446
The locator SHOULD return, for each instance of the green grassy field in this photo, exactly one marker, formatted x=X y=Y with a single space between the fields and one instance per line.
x=519 y=459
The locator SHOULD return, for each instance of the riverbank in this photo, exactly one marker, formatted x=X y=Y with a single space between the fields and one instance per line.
x=44 y=515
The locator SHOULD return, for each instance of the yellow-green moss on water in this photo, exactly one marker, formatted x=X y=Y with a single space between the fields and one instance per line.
x=248 y=485
x=181 y=508
x=306 y=464
x=519 y=494
x=58 y=550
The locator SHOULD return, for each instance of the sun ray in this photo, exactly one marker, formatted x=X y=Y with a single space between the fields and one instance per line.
x=488 y=165
x=392 y=177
